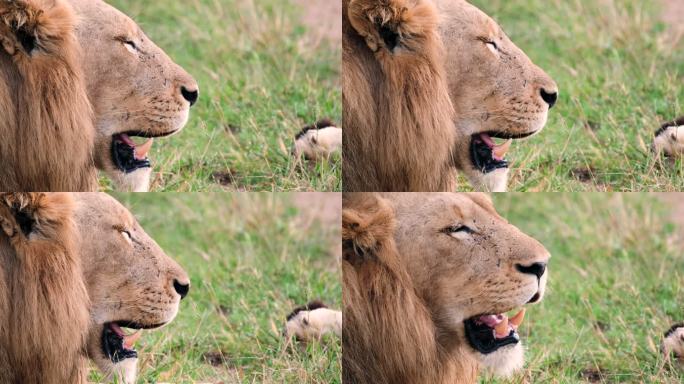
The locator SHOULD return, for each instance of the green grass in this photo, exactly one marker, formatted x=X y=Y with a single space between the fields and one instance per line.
x=262 y=78
x=616 y=284
x=251 y=260
x=619 y=78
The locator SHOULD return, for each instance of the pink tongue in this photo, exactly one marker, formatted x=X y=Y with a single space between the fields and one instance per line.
x=487 y=140
x=124 y=137
x=117 y=330
x=491 y=320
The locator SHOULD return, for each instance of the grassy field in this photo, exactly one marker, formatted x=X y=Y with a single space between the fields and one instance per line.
x=620 y=76
x=262 y=77
x=616 y=284
x=251 y=258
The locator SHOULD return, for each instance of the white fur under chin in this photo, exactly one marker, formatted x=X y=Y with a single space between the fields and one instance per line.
x=494 y=181
x=136 y=181
x=125 y=371
x=505 y=361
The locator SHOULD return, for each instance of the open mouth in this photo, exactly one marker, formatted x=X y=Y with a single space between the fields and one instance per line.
x=118 y=340
x=129 y=152
x=487 y=155
x=488 y=333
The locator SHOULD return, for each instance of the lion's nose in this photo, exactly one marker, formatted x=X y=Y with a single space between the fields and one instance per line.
x=181 y=288
x=191 y=95
x=536 y=269
x=549 y=97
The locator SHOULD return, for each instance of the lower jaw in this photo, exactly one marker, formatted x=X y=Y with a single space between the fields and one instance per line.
x=112 y=347
x=482 y=157
x=481 y=339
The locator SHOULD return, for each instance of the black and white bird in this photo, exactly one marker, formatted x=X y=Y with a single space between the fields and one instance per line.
x=312 y=322
x=673 y=345
x=669 y=139
x=318 y=141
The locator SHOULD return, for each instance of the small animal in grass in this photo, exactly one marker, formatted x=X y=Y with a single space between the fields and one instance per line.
x=669 y=139
x=673 y=345
x=312 y=322
x=318 y=141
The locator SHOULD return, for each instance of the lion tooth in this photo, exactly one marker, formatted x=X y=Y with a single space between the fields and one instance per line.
x=141 y=151
x=129 y=341
x=501 y=150
x=518 y=318
x=502 y=329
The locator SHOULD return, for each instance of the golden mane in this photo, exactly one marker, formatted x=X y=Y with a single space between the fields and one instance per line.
x=388 y=334
x=43 y=300
x=399 y=133
x=47 y=125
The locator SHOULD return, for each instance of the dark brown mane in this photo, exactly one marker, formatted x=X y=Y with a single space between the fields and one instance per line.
x=47 y=125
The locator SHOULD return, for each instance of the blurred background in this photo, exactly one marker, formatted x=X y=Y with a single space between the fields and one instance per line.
x=619 y=65
x=252 y=258
x=266 y=68
x=616 y=284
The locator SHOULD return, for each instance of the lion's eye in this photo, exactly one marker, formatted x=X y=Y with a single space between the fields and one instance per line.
x=127 y=235
x=459 y=229
x=130 y=45
x=492 y=46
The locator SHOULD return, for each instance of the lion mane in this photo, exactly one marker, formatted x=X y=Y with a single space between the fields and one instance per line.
x=388 y=335
x=43 y=300
x=47 y=125
x=397 y=110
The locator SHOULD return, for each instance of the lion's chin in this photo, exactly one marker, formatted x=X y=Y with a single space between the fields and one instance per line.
x=137 y=181
x=125 y=372
x=505 y=361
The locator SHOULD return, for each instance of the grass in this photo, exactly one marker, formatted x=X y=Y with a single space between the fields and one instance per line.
x=251 y=259
x=262 y=78
x=620 y=77
x=615 y=286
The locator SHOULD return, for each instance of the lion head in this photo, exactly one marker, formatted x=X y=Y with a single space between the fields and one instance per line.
x=496 y=91
x=454 y=268
x=44 y=108
x=428 y=85
x=75 y=271
x=135 y=89
x=131 y=282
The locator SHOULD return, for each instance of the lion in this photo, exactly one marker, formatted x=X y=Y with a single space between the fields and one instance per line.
x=427 y=87
x=427 y=282
x=137 y=92
x=47 y=124
x=105 y=275
x=669 y=139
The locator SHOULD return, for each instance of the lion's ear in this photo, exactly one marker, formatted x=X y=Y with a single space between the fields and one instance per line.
x=393 y=23
x=30 y=25
x=19 y=212
x=27 y=213
x=367 y=222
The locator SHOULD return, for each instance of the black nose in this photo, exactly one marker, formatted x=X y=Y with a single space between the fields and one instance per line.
x=536 y=269
x=549 y=98
x=190 y=96
x=181 y=288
